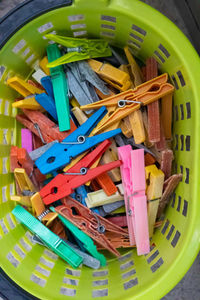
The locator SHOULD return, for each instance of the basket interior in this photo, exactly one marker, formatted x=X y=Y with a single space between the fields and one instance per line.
x=37 y=269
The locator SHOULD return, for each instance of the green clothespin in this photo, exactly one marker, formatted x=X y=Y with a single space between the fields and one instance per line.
x=50 y=239
x=60 y=89
x=78 y=49
x=84 y=238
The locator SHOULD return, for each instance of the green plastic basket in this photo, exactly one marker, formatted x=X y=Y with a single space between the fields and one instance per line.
x=176 y=243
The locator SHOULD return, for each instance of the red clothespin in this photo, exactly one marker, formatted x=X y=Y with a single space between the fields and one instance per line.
x=42 y=126
x=92 y=224
x=64 y=184
x=161 y=145
x=37 y=143
x=153 y=108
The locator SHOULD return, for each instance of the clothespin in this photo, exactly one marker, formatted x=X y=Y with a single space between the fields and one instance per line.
x=117 y=241
x=19 y=158
x=35 y=84
x=79 y=115
x=43 y=65
x=26 y=90
x=26 y=186
x=161 y=145
x=27 y=139
x=166 y=115
x=42 y=126
x=106 y=184
x=76 y=143
x=78 y=49
x=169 y=186
x=82 y=80
x=120 y=221
x=40 y=211
x=154 y=190
x=57 y=227
x=21 y=199
x=64 y=184
x=103 y=96
x=38 y=75
x=99 y=198
x=133 y=180
x=92 y=224
x=166 y=162
x=50 y=239
x=123 y=104
x=37 y=143
x=137 y=126
x=47 y=100
x=112 y=208
x=60 y=89
x=35 y=154
x=135 y=72
x=153 y=108
x=115 y=77
x=126 y=127
x=149 y=159
x=147 y=143
x=88 y=243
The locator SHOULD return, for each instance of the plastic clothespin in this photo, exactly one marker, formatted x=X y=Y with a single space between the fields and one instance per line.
x=166 y=162
x=79 y=49
x=99 y=198
x=60 y=89
x=35 y=154
x=43 y=65
x=26 y=90
x=38 y=75
x=88 y=243
x=64 y=184
x=123 y=104
x=76 y=143
x=82 y=80
x=40 y=211
x=169 y=186
x=153 y=108
x=27 y=139
x=154 y=190
x=92 y=224
x=21 y=199
x=50 y=239
x=133 y=180
x=26 y=186
x=115 y=77
x=137 y=126
x=42 y=126
x=47 y=100
x=117 y=241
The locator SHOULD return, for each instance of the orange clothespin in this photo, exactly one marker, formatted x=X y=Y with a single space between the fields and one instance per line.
x=101 y=95
x=153 y=108
x=149 y=159
x=42 y=126
x=115 y=77
x=106 y=184
x=166 y=115
x=123 y=104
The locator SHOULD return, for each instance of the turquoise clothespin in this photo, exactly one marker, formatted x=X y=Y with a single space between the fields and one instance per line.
x=50 y=239
x=78 y=49
x=60 y=89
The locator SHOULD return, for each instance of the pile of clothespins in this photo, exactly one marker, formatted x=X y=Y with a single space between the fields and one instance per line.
x=94 y=169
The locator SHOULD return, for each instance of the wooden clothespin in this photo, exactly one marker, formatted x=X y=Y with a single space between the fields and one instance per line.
x=154 y=190
x=153 y=108
x=126 y=127
x=169 y=186
x=166 y=115
x=166 y=162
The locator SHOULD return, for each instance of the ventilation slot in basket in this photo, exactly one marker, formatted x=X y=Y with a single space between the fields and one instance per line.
x=185 y=208
x=107 y=27
x=136 y=36
x=176 y=239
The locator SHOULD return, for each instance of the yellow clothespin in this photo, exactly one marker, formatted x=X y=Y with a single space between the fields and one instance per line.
x=74 y=102
x=154 y=190
x=26 y=90
x=43 y=65
x=115 y=77
x=136 y=74
x=127 y=69
x=79 y=115
x=24 y=182
x=39 y=209
x=126 y=127
x=137 y=126
x=23 y=200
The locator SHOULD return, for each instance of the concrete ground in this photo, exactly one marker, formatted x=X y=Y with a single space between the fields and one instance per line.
x=189 y=286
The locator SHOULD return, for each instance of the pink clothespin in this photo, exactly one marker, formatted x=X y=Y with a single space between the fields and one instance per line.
x=133 y=180
x=27 y=139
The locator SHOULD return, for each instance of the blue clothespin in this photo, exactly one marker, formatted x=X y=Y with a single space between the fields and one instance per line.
x=80 y=194
x=61 y=154
x=47 y=100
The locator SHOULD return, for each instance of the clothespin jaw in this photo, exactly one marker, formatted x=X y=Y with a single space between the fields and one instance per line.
x=136 y=73
x=60 y=89
x=43 y=65
x=22 y=87
x=23 y=180
x=79 y=49
x=23 y=200
x=115 y=77
x=76 y=143
x=154 y=190
x=123 y=104
x=29 y=103
x=40 y=211
x=49 y=238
